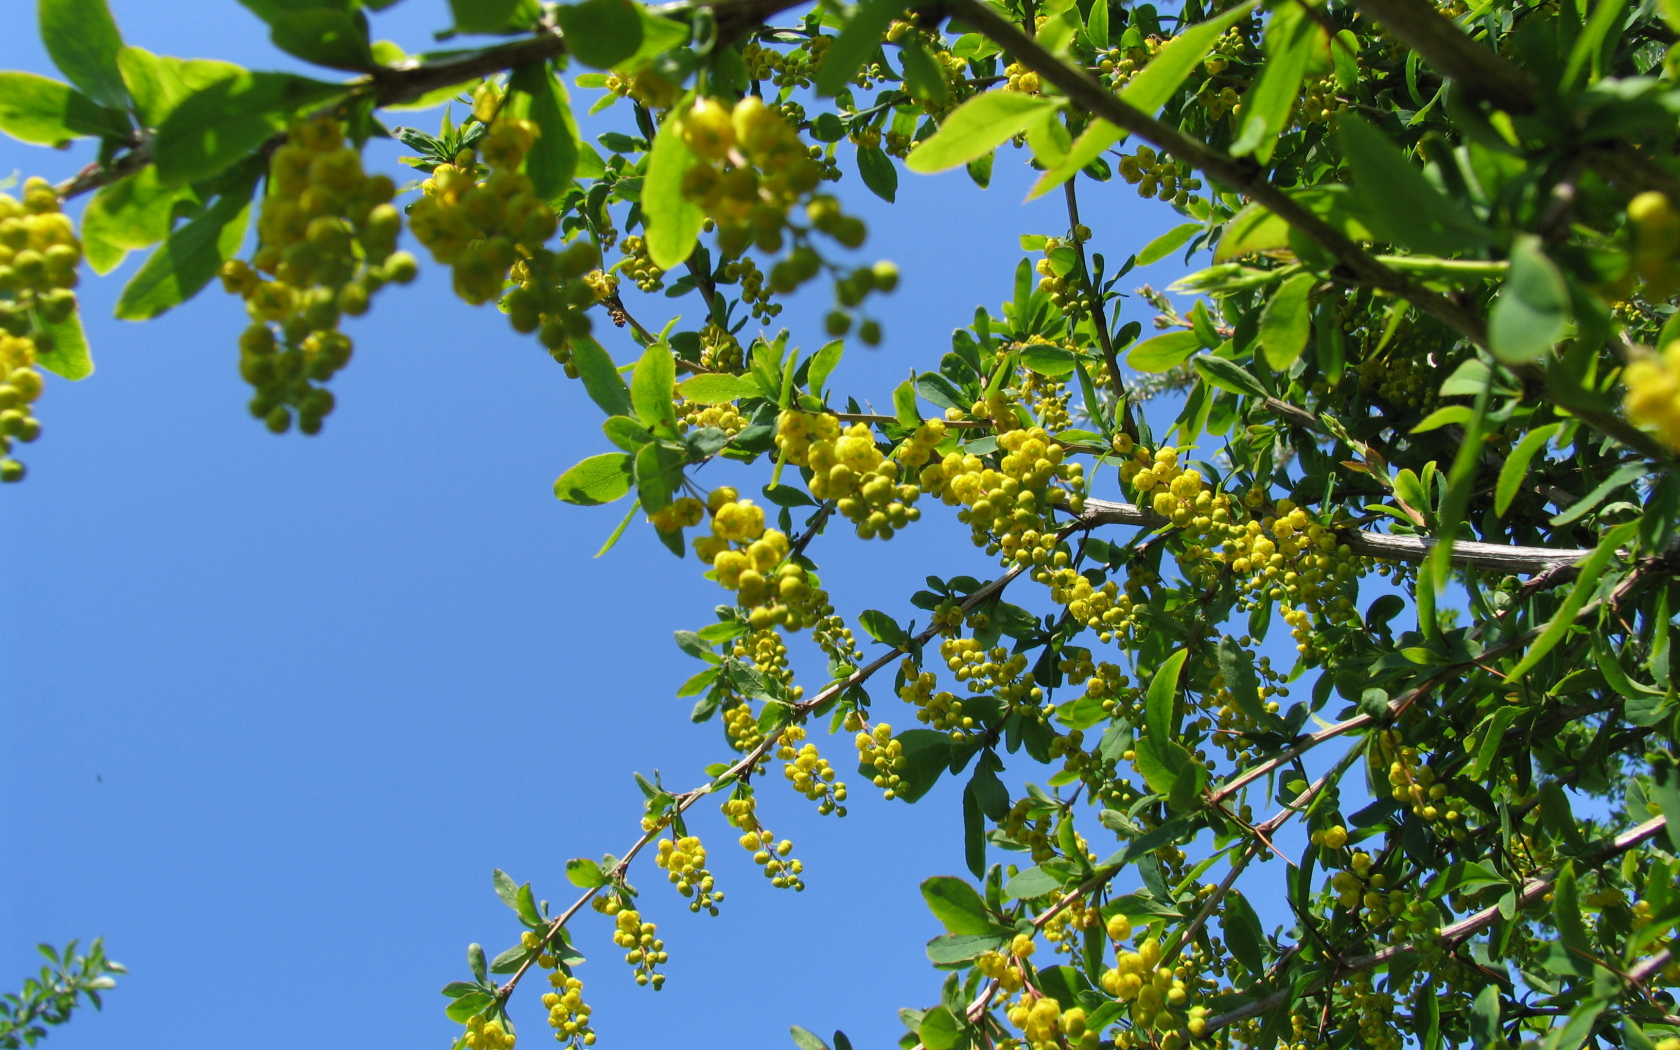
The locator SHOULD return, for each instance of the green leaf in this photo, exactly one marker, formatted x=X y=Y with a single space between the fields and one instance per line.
x=806 y=1040
x=1576 y=1030
x=1499 y=724
x=956 y=904
x=468 y=1006
x=1047 y=360
x=1566 y=913
x=949 y=948
x=1091 y=144
x=673 y=221
x=939 y=1029
x=1515 y=468
x=475 y=953
x=878 y=172
x=185 y=262
x=1167 y=243
x=1243 y=933
x=977 y=127
x=1586 y=581
x=511 y=960
x=601 y=33
x=323 y=36
x=927 y=755
x=1162 y=696
x=1096 y=25
x=1443 y=416
x=716 y=389
x=1401 y=205
x=1625 y=474
x=651 y=387
x=658 y=473
x=223 y=122
x=1158 y=81
x=1291 y=37
x=129 y=214
x=598 y=479
x=922 y=75
x=46 y=112
x=1171 y=831
x=904 y=405
x=1237 y=667
x=539 y=96
x=585 y=873
x=159 y=83
x=1227 y=375
x=601 y=378
x=856 y=44
x=1286 y=322
x=83 y=40
x=484 y=16
x=823 y=365
x=883 y=629
x=1032 y=883
x=69 y=356
x=1164 y=351
x=1532 y=312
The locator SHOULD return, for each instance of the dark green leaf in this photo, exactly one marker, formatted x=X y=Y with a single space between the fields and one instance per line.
x=601 y=33
x=957 y=905
x=878 y=171
x=539 y=96
x=83 y=40
x=949 y=948
x=187 y=260
x=1286 y=322
x=467 y=1006
x=939 y=1030
x=323 y=36
x=483 y=16
x=510 y=960
x=1402 y=206
x=922 y=75
x=1532 y=311
x=883 y=628
x=856 y=44
x=1243 y=934
x=1228 y=375
x=221 y=123
x=601 y=378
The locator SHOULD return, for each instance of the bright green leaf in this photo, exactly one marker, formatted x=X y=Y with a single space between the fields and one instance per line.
x=651 y=386
x=1286 y=323
x=1532 y=312
x=673 y=221
x=83 y=40
x=223 y=122
x=46 y=112
x=716 y=389
x=598 y=479
x=957 y=905
x=978 y=126
x=184 y=263
x=1164 y=351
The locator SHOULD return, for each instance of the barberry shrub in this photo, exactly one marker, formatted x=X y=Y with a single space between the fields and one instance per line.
x=1420 y=413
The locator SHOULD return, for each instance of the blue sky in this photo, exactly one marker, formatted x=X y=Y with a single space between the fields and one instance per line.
x=275 y=707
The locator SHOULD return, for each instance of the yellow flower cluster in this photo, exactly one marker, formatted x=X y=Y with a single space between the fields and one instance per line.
x=568 y=1014
x=940 y=710
x=847 y=467
x=685 y=861
x=1653 y=393
x=487 y=1035
x=725 y=417
x=782 y=870
x=1005 y=506
x=678 y=514
x=877 y=748
x=327 y=241
x=750 y=567
x=991 y=671
x=753 y=168
x=642 y=938
x=22 y=385
x=809 y=772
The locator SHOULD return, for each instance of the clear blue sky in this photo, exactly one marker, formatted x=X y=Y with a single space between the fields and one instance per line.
x=275 y=707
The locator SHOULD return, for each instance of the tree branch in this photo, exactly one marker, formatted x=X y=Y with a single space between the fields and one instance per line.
x=1479 y=70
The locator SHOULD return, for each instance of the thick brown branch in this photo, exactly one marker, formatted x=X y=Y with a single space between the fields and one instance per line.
x=1479 y=70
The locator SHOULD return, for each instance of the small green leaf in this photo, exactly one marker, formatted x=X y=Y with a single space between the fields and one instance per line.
x=1286 y=323
x=956 y=904
x=1164 y=351
x=46 y=112
x=1402 y=206
x=883 y=629
x=856 y=44
x=129 y=214
x=222 y=122
x=1167 y=243
x=1091 y=144
x=904 y=405
x=585 y=873
x=1047 y=360
x=1237 y=666
x=651 y=387
x=977 y=127
x=483 y=16
x=806 y=1040
x=69 y=356
x=511 y=960
x=323 y=36
x=1243 y=933
x=716 y=389
x=1161 y=699
x=601 y=378
x=83 y=40
x=601 y=33
x=185 y=262
x=939 y=1030
x=1291 y=37
x=540 y=97
x=1626 y=474
x=1515 y=468
x=598 y=479
x=922 y=75
x=878 y=172
x=1532 y=312
x=1227 y=375
x=823 y=365
x=468 y=1006
x=1441 y=417
x=673 y=221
